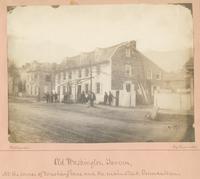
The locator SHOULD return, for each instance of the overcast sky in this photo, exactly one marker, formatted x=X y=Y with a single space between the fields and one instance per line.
x=47 y=34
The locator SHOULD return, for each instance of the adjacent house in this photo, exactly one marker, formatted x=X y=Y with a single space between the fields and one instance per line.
x=121 y=69
x=37 y=79
x=177 y=89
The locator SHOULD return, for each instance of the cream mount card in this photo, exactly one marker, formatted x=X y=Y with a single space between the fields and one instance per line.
x=99 y=89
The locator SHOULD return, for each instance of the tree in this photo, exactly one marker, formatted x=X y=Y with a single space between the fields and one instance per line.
x=13 y=74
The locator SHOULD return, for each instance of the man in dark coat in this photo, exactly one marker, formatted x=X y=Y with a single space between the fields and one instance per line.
x=92 y=98
x=110 y=98
x=105 y=98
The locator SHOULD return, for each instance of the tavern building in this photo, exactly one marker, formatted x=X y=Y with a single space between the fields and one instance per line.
x=130 y=76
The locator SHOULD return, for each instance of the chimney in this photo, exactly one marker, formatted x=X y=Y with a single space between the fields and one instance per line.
x=132 y=44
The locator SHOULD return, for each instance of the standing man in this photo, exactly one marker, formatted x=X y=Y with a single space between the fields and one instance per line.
x=47 y=97
x=56 y=97
x=92 y=98
x=110 y=98
x=105 y=98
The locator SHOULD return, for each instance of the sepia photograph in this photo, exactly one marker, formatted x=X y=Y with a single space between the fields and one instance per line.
x=100 y=73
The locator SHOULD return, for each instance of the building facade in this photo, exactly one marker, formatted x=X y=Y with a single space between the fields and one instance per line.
x=37 y=79
x=121 y=69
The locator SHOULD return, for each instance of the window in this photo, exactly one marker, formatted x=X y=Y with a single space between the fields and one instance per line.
x=128 y=70
x=149 y=74
x=98 y=69
x=64 y=76
x=58 y=89
x=128 y=52
x=48 y=78
x=45 y=89
x=86 y=88
x=36 y=90
x=98 y=88
x=128 y=87
x=35 y=77
x=79 y=73
x=59 y=77
x=63 y=89
x=70 y=90
x=86 y=72
x=158 y=76
x=70 y=75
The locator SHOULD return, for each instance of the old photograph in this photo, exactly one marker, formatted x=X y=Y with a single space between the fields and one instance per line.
x=100 y=73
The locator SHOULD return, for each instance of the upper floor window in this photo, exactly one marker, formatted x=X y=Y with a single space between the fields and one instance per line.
x=98 y=88
x=128 y=87
x=86 y=72
x=149 y=74
x=128 y=52
x=64 y=75
x=48 y=78
x=70 y=75
x=128 y=70
x=98 y=69
x=158 y=76
x=86 y=88
x=79 y=73
x=59 y=77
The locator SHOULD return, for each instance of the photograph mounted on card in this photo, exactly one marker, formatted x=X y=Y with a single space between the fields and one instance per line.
x=103 y=74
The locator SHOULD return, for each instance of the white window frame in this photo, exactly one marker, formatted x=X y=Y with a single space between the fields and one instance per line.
x=128 y=52
x=160 y=76
x=128 y=67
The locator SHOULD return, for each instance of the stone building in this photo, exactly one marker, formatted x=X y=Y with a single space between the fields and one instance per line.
x=121 y=69
x=37 y=79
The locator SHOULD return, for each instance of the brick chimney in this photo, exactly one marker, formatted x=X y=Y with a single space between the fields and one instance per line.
x=132 y=44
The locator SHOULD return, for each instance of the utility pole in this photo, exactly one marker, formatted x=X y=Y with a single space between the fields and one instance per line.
x=90 y=75
x=91 y=102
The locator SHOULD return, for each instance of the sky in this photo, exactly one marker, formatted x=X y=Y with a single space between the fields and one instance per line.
x=49 y=34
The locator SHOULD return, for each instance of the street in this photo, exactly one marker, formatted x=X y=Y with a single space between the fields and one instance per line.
x=40 y=122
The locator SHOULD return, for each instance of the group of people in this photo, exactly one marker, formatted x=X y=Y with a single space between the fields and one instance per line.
x=84 y=98
x=87 y=97
x=51 y=97
x=108 y=98
x=67 y=98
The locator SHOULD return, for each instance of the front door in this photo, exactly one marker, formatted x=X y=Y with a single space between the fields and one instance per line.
x=79 y=93
x=117 y=98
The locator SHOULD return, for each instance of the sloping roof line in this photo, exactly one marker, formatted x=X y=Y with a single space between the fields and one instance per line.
x=99 y=55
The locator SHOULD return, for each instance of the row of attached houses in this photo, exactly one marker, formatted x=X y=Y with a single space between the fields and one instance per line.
x=121 y=69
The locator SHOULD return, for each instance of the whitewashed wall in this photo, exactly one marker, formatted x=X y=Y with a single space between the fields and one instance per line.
x=173 y=101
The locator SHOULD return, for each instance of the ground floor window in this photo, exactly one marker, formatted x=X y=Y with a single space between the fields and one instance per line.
x=128 y=87
x=63 y=89
x=86 y=88
x=58 y=89
x=98 y=88
x=70 y=90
